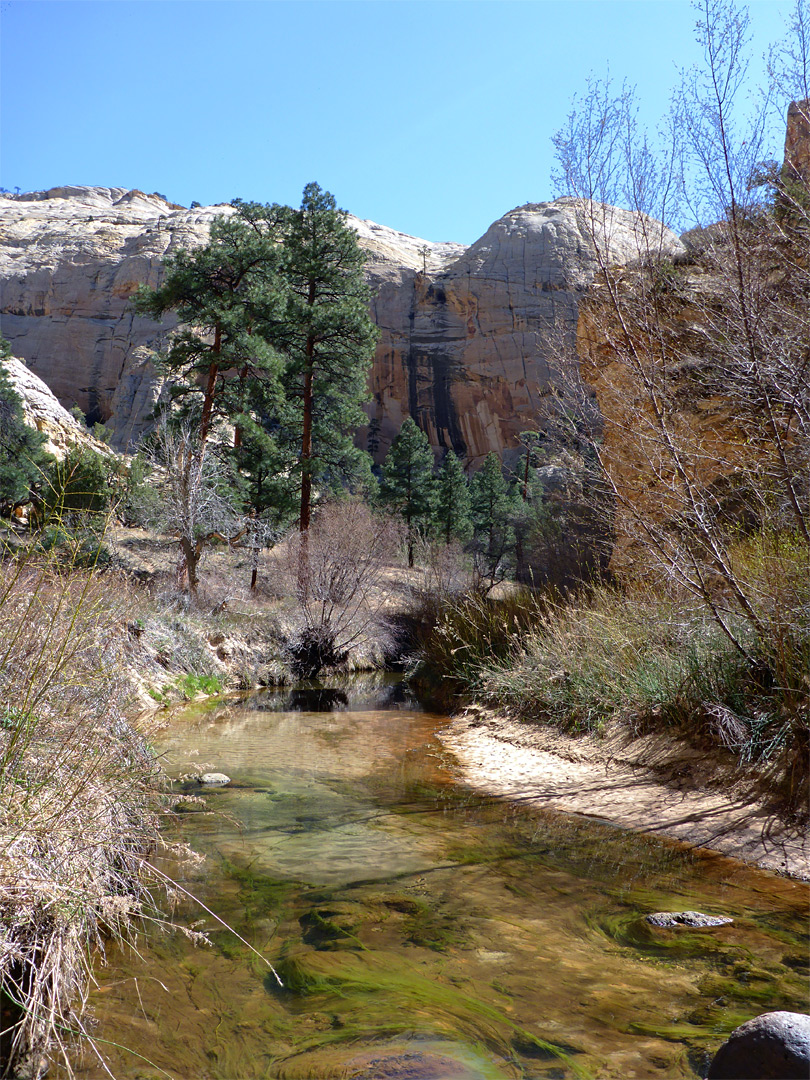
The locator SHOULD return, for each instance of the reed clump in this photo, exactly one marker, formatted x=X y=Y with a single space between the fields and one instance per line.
x=79 y=799
x=454 y=636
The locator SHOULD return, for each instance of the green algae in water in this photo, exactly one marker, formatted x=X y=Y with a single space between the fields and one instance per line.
x=419 y=926
x=365 y=992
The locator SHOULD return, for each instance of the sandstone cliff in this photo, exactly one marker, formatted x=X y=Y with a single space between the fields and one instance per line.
x=797 y=143
x=701 y=382
x=468 y=349
x=465 y=343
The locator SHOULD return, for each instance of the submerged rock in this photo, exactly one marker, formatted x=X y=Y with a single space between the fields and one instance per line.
x=332 y=927
x=213 y=779
x=412 y=1065
x=694 y=919
x=773 y=1046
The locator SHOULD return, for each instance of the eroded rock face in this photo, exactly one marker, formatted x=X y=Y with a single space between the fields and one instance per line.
x=468 y=335
x=69 y=261
x=468 y=348
x=42 y=411
x=797 y=142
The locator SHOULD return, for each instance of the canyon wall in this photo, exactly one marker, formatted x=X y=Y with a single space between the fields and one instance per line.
x=699 y=423
x=468 y=335
x=797 y=143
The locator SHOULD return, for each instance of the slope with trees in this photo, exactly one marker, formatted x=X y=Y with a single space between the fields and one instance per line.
x=23 y=460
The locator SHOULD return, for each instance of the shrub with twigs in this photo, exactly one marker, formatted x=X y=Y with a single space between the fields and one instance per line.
x=342 y=596
x=78 y=800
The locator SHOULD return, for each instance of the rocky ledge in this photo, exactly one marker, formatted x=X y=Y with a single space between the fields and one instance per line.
x=468 y=335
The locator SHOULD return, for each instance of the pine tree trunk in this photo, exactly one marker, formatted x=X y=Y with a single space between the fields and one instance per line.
x=210 y=388
x=306 y=480
x=306 y=456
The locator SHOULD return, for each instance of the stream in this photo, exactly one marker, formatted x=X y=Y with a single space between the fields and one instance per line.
x=420 y=930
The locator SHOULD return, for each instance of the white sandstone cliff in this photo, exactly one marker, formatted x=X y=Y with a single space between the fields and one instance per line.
x=464 y=344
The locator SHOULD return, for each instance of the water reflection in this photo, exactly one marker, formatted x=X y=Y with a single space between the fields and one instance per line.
x=353 y=693
x=316 y=699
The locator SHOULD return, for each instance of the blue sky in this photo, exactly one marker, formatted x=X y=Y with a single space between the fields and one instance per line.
x=432 y=117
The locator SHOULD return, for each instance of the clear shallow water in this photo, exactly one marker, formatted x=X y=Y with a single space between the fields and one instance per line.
x=422 y=932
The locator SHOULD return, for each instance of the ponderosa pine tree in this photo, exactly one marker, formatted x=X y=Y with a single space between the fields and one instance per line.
x=224 y=294
x=453 y=519
x=408 y=484
x=326 y=337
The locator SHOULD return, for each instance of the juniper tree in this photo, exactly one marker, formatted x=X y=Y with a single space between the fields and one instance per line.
x=493 y=508
x=408 y=485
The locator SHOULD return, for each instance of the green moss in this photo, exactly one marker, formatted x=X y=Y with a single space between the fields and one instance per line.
x=333 y=927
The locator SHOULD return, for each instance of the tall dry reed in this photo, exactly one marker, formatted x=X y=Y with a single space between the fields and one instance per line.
x=79 y=803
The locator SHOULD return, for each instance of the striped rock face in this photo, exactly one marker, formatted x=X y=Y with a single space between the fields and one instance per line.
x=468 y=335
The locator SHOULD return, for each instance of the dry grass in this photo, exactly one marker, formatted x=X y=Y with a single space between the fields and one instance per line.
x=79 y=803
x=656 y=664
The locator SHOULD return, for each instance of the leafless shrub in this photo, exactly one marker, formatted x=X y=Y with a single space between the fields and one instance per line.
x=444 y=570
x=344 y=594
x=191 y=505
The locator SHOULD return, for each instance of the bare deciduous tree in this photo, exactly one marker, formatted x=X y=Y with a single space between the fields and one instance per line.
x=700 y=364
x=190 y=504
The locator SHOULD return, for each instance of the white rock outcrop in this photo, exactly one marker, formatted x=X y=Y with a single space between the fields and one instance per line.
x=464 y=344
x=42 y=411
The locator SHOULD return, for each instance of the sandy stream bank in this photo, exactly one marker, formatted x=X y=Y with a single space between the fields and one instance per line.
x=649 y=784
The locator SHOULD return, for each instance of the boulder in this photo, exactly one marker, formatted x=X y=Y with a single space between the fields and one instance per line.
x=773 y=1046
